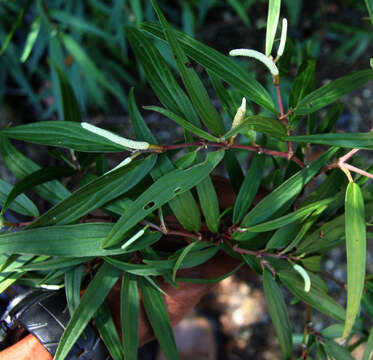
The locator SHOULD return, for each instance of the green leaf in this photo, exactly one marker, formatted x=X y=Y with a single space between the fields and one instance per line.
x=369 y=346
x=73 y=281
x=21 y=204
x=239 y=8
x=183 y=206
x=70 y=107
x=21 y=166
x=56 y=263
x=272 y=22
x=157 y=314
x=332 y=91
x=96 y=193
x=265 y=125
x=130 y=313
x=31 y=39
x=356 y=252
x=197 y=92
x=249 y=188
x=79 y=240
x=66 y=134
x=285 y=192
x=38 y=177
x=279 y=314
x=337 y=352
x=93 y=297
x=186 y=160
x=234 y=170
x=316 y=297
x=160 y=78
x=108 y=332
x=184 y=123
x=328 y=122
x=209 y=202
x=181 y=257
x=136 y=269
x=369 y=5
x=159 y=193
x=333 y=331
x=346 y=140
x=221 y=65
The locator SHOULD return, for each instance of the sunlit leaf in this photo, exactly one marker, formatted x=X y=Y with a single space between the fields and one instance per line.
x=272 y=21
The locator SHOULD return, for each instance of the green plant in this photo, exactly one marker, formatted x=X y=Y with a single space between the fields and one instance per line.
x=312 y=206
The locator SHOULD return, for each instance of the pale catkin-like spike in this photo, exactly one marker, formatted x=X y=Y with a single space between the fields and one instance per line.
x=136 y=145
x=284 y=32
x=259 y=56
x=125 y=162
x=240 y=114
x=305 y=276
x=133 y=238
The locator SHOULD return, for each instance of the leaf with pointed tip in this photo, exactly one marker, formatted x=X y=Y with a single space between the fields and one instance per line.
x=73 y=281
x=159 y=193
x=93 y=297
x=369 y=346
x=272 y=22
x=356 y=252
x=336 y=351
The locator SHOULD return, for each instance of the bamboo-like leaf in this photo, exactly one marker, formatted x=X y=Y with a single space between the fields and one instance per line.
x=197 y=92
x=136 y=269
x=94 y=295
x=31 y=39
x=356 y=252
x=316 y=297
x=79 y=240
x=337 y=352
x=21 y=204
x=369 y=346
x=221 y=65
x=284 y=193
x=156 y=311
x=209 y=202
x=279 y=314
x=347 y=140
x=96 y=193
x=181 y=257
x=21 y=166
x=70 y=107
x=183 y=206
x=234 y=170
x=130 y=312
x=62 y=134
x=109 y=334
x=249 y=188
x=73 y=280
x=332 y=91
x=328 y=122
x=272 y=22
x=369 y=5
x=184 y=123
x=162 y=191
x=55 y=263
x=36 y=178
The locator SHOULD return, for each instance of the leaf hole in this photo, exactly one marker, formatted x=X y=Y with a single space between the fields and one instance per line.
x=149 y=205
x=177 y=190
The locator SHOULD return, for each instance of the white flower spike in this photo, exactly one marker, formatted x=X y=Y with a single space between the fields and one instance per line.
x=136 y=145
x=259 y=56
x=305 y=276
x=240 y=114
x=284 y=32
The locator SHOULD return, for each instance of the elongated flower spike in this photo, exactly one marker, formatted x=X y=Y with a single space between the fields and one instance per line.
x=126 y=143
x=284 y=32
x=305 y=276
x=259 y=56
x=239 y=117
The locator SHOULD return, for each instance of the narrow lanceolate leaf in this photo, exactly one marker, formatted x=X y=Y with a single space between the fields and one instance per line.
x=73 y=280
x=70 y=107
x=369 y=5
x=248 y=188
x=79 y=240
x=337 y=352
x=316 y=297
x=356 y=252
x=346 y=140
x=21 y=166
x=284 y=193
x=159 y=193
x=183 y=206
x=95 y=294
x=272 y=22
x=197 y=92
x=181 y=257
x=108 y=332
x=38 y=177
x=184 y=123
x=332 y=91
x=156 y=311
x=279 y=314
x=369 y=346
x=31 y=39
x=130 y=312
x=219 y=64
x=263 y=124
x=136 y=269
x=96 y=193
x=21 y=204
x=66 y=134
x=209 y=202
